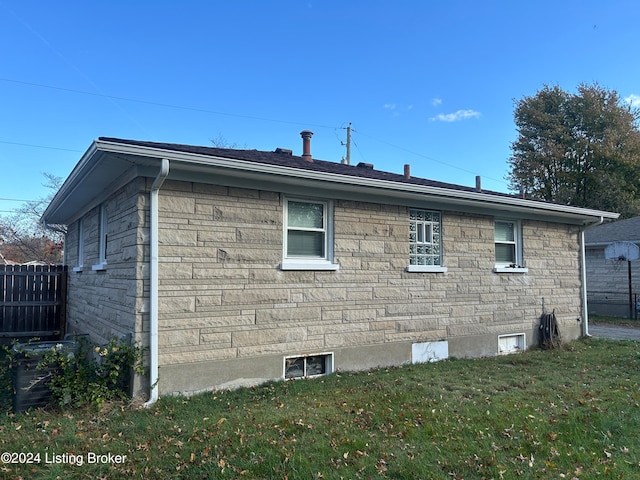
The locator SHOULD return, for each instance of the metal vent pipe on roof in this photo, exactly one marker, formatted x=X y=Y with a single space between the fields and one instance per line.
x=407 y=171
x=306 y=145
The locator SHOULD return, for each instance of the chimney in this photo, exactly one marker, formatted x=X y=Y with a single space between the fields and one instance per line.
x=478 y=183
x=407 y=171
x=306 y=145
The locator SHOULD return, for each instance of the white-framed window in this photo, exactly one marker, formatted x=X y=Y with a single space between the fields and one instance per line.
x=508 y=246
x=102 y=239
x=308 y=235
x=305 y=366
x=80 y=247
x=512 y=343
x=425 y=241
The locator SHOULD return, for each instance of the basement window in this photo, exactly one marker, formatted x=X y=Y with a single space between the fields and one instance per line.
x=306 y=366
x=512 y=343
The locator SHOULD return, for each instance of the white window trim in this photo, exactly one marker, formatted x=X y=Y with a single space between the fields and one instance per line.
x=80 y=247
x=503 y=267
x=427 y=268
x=303 y=263
x=521 y=340
x=102 y=241
x=430 y=268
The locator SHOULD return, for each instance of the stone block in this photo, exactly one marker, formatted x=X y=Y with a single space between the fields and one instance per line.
x=176 y=236
x=344 y=339
x=179 y=304
x=173 y=338
x=192 y=355
x=294 y=348
x=288 y=315
x=390 y=293
x=255 y=296
x=216 y=338
x=268 y=336
x=403 y=309
x=177 y=204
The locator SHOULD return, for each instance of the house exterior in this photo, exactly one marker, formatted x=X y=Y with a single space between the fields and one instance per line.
x=608 y=279
x=241 y=266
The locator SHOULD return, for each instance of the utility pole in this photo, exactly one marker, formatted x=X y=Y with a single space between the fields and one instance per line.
x=347 y=160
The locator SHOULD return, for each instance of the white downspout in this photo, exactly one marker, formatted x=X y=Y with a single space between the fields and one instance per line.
x=153 y=279
x=583 y=261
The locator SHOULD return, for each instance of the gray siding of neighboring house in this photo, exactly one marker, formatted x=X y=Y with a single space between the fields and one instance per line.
x=608 y=283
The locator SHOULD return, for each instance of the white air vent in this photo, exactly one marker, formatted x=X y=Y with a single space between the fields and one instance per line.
x=429 y=351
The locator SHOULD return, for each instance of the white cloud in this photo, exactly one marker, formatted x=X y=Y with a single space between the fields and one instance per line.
x=456 y=116
x=389 y=106
x=436 y=101
x=633 y=100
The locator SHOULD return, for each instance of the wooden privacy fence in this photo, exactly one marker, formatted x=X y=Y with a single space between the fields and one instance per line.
x=32 y=301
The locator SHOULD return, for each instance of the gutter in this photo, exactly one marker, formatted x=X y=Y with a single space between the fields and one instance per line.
x=583 y=261
x=461 y=197
x=153 y=278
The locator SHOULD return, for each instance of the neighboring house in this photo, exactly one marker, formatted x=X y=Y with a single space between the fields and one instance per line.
x=4 y=261
x=608 y=279
x=241 y=266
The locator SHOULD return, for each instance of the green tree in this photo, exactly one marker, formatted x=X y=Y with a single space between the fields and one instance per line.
x=579 y=149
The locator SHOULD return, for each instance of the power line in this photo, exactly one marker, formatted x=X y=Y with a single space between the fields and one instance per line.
x=40 y=146
x=14 y=200
x=164 y=105
x=431 y=158
x=214 y=112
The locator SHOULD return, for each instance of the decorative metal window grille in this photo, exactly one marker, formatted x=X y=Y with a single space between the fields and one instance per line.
x=425 y=240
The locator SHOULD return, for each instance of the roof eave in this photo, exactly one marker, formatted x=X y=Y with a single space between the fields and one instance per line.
x=391 y=189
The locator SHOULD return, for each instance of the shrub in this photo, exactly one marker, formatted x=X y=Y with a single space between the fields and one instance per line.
x=92 y=374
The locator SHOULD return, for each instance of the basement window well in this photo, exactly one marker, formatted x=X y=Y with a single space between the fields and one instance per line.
x=511 y=343
x=305 y=366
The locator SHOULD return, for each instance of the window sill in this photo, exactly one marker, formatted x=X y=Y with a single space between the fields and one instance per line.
x=309 y=265
x=78 y=269
x=510 y=270
x=99 y=267
x=426 y=268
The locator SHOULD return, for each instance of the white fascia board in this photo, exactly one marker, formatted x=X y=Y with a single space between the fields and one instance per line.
x=452 y=196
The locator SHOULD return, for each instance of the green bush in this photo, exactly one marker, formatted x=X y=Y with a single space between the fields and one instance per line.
x=92 y=374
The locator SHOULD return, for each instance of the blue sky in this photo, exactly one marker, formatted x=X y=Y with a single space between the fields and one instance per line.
x=429 y=83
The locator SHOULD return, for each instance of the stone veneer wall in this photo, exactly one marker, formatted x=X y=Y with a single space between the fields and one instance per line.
x=228 y=315
x=111 y=302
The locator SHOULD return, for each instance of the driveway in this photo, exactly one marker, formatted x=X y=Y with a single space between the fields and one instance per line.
x=614 y=332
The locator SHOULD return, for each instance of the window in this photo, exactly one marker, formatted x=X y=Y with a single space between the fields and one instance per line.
x=80 y=246
x=511 y=343
x=308 y=365
x=508 y=246
x=102 y=239
x=425 y=241
x=308 y=242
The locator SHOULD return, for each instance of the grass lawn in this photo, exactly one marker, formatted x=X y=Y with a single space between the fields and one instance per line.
x=606 y=320
x=570 y=413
